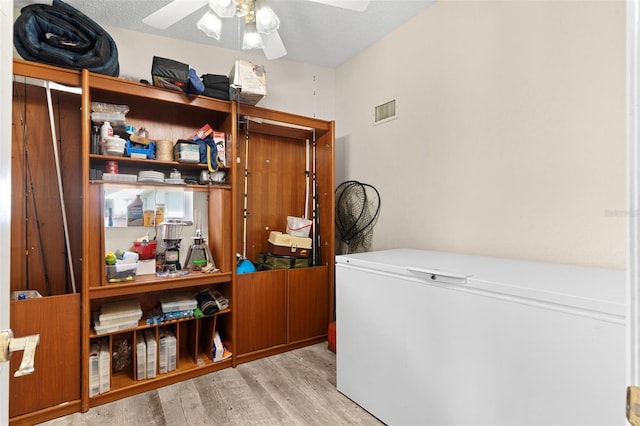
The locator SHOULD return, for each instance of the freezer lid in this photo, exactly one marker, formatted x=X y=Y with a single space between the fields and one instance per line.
x=585 y=288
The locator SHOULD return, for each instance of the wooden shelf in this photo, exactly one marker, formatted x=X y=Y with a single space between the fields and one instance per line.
x=194 y=187
x=139 y=162
x=123 y=385
x=153 y=93
x=142 y=325
x=49 y=72
x=150 y=283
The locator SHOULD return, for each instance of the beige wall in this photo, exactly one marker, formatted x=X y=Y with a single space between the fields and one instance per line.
x=510 y=139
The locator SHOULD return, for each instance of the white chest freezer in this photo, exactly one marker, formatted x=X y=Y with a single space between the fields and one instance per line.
x=434 y=338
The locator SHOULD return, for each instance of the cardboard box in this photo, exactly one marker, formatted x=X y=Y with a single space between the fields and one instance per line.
x=147 y=267
x=219 y=138
x=247 y=82
x=201 y=133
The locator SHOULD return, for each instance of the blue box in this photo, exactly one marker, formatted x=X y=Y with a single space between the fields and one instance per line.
x=148 y=152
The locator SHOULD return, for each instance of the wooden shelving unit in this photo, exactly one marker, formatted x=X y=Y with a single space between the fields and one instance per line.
x=172 y=116
x=270 y=311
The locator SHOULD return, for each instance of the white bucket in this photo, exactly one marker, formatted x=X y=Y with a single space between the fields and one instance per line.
x=298 y=226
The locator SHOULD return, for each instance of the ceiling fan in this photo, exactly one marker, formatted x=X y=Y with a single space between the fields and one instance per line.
x=260 y=23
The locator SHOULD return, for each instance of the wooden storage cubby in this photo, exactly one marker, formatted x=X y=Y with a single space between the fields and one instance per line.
x=193 y=337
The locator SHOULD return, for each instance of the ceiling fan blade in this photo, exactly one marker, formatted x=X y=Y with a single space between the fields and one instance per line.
x=173 y=12
x=272 y=45
x=357 y=5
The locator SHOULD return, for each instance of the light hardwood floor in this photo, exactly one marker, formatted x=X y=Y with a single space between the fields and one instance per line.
x=293 y=388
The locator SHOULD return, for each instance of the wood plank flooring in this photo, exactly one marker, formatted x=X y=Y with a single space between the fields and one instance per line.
x=293 y=388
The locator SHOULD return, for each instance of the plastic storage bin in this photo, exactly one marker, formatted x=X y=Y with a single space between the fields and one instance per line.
x=121 y=272
x=137 y=152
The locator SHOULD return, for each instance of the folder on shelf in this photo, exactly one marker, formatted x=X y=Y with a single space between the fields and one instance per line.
x=104 y=366
x=150 y=341
x=94 y=368
x=141 y=357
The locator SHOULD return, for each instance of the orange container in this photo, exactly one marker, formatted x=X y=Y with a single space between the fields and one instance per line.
x=331 y=338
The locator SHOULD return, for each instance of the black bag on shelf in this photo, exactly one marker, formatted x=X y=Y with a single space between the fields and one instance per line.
x=170 y=74
x=215 y=93
x=216 y=86
x=267 y=261
x=215 y=81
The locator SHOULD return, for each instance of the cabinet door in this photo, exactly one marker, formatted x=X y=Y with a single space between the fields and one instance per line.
x=56 y=380
x=260 y=310
x=308 y=303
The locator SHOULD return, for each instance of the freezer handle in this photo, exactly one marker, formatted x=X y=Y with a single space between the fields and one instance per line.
x=438 y=275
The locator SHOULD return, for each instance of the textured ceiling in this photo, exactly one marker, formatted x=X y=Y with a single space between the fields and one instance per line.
x=312 y=33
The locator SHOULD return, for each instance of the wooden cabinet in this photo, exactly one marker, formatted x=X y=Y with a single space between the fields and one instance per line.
x=54 y=386
x=38 y=255
x=308 y=302
x=278 y=165
x=289 y=171
x=261 y=310
x=281 y=309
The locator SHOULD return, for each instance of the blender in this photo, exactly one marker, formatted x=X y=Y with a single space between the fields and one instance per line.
x=171 y=235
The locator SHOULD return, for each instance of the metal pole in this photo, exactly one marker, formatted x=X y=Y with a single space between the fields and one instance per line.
x=60 y=190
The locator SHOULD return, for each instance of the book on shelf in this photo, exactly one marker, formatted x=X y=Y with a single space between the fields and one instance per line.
x=219 y=351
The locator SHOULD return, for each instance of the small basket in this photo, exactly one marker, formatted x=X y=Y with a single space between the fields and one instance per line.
x=146 y=249
x=298 y=226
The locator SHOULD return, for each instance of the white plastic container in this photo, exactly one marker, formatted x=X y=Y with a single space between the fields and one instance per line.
x=114 y=145
x=141 y=357
x=105 y=131
x=178 y=302
x=104 y=366
x=124 y=311
x=94 y=368
x=152 y=346
x=111 y=328
x=166 y=351
x=298 y=226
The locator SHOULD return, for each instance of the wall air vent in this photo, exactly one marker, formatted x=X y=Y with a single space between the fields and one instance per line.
x=385 y=112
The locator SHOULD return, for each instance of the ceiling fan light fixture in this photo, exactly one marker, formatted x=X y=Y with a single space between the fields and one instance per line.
x=266 y=19
x=223 y=8
x=245 y=8
x=251 y=38
x=210 y=24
